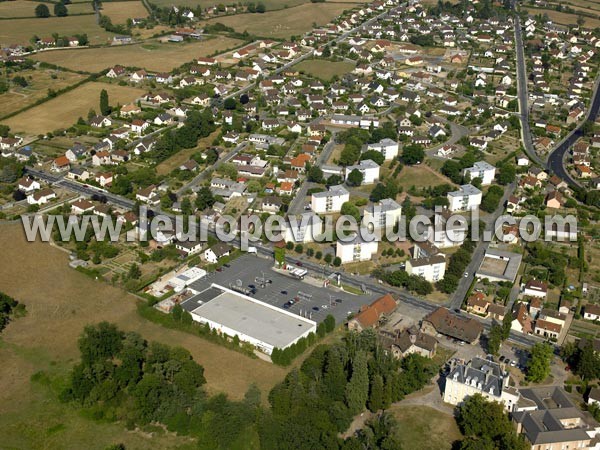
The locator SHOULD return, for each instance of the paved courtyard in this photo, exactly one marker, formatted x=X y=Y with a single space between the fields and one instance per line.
x=315 y=303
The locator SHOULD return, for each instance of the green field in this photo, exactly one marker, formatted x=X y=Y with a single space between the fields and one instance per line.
x=271 y=5
x=323 y=69
x=425 y=428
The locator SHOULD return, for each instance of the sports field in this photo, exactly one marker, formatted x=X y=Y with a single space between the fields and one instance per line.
x=60 y=302
x=20 y=31
x=323 y=69
x=64 y=110
x=119 y=12
x=154 y=56
x=284 y=23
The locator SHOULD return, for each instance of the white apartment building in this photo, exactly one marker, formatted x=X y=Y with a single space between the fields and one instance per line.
x=483 y=170
x=356 y=250
x=445 y=233
x=329 y=201
x=480 y=376
x=432 y=268
x=301 y=229
x=468 y=197
x=368 y=168
x=384 y=214
x=387 y=147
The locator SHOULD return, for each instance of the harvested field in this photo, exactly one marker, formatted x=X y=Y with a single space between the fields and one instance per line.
x=18 y=8
x=153 y=56
x=64 y=110
x=39 y=81
x=284 y=23
x=119 y=12
x=323 y=69
x=565 y=18
x=20 y=31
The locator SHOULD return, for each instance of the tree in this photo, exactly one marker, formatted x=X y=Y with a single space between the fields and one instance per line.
x=357 y=389
x=507 y=174
x=506 y=325
x=261 y=8
x=204 y=199
x=413 y=154
x=377 y=393
x=328 y=258
x=134 y=272
x=42 y=11
x=229 y=103
x=104 y=106
x=315 y=174
x=349 y=209
x=355 y=178
x=60 y=10
x=374 y=156
x=494 y=339
x=538 y=366
x=337 y=261
x=588 y=364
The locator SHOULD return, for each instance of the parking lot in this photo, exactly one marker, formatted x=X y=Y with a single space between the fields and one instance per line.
x=315 y=302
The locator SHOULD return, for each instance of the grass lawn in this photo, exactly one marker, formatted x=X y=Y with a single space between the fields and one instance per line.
x=20 y=31
x=61 y=301
x=64 y=110
x=420 y=176
x=39 y=81
x=156 y=56
x=119 y=12
x=425 y=428
x=323 y=69
x=284 y=23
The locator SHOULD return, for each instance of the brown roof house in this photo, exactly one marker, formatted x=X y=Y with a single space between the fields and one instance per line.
x=406 y=342
x=370 y=315
x=443 y=321
x=477 y=304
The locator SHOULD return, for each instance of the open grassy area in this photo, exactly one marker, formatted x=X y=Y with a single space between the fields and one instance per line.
x=154 y=57
x=284 y=23
x=565 y=18
x=420 y=176
x=323 y=69
x=64 y=110
x=39 y=81
x=119 y=12
x=20 y=31
x=60 y=302
x=18 y=8
x=173 y=162
x=425 y=428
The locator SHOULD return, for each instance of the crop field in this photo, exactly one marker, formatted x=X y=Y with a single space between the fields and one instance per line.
x=18 y=8
x=64 y=110
x=284 y=23
x=565 y=18
x=323 y=69
x=80 y=8
x=20 y=31
x=153 y=56
x=119 y=12
x=39 y=81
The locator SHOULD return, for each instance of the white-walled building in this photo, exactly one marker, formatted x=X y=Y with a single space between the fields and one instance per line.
x=384 y=214
x=368 y=168
x=535 y=288
x=302 y=229
x=329 y=201
x=466 y=198
x=480 y=376
x=387 y=147
x=432 y=268
x=356 y=250
x=445 y=233
x=483 y=170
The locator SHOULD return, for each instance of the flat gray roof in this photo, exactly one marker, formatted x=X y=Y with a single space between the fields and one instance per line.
x=508 y=270
x=255 y=319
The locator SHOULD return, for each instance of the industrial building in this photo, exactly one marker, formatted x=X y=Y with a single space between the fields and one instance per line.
x=258 y=323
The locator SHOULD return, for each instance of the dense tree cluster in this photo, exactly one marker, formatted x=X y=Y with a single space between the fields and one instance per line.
x=491 y=199
x=582 y=359
x=123 y=377
x=486 y=426
x=400 y=278
x=456 y=267
x=538 y=366
x=543 y=255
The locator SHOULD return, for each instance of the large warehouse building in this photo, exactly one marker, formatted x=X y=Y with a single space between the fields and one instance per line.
x=253 y=321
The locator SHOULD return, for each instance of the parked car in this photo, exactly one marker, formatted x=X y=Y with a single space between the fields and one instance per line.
x=284 y=292
x=315 y=308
